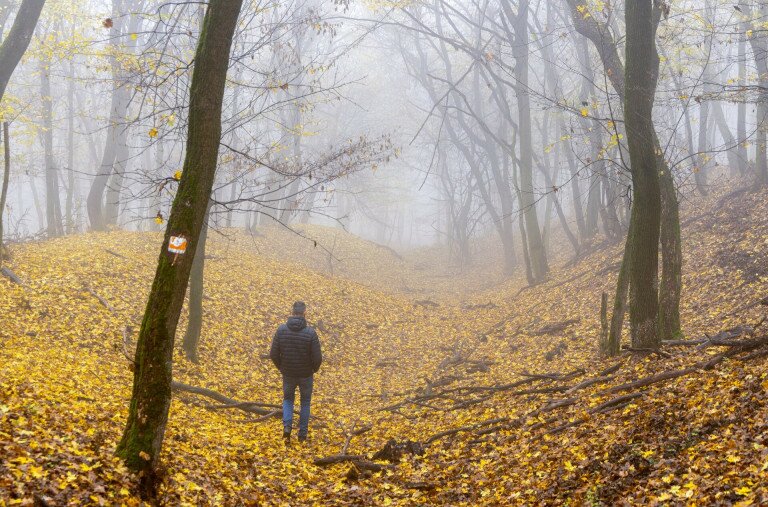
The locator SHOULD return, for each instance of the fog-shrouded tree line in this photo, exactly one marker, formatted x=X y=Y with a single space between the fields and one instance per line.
x=535 y=125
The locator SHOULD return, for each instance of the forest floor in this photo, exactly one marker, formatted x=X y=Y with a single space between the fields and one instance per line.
x=493 y=393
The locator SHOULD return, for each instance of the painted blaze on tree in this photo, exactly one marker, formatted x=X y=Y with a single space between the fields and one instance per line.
x=143 y=436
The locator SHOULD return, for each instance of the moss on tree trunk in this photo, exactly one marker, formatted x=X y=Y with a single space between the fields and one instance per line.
x=641 y=75
x=145 y=428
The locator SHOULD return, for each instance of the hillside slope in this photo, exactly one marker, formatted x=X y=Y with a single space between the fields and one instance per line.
x=503 y=391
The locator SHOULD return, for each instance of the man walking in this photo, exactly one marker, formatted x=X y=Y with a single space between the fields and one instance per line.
x=296 y=353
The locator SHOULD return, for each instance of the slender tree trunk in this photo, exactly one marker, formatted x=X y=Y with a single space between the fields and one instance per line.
x=741 y=114
x=730 y=142
x=95 y=200
x=620 y=300
x=148 y=415
x=578 y=209
x=4 y=190
x=537 y=254
x=195 y=322
x=53 y=216
x=115 y=185
x=702 y=164
x=69 y=220
x=759 y=46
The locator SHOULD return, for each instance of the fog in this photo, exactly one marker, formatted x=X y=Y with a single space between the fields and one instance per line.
x=423 y=96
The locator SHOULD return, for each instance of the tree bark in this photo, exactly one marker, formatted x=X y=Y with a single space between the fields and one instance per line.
x=17 y=41
x=759 y=46
x=195 y=321
x=600 y=35
x=741 y=114
x=641 y=75
x=4 y=190
x=538 y=256
x=71 y=193
x=143 y=436
x=53 y=218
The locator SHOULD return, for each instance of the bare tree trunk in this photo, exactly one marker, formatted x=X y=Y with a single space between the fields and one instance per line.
x=641 y=77
x=195 y=322
x=760 y=53
x=53 y=216
x=538 y=256
x=148 y=415
x=702 y=159
x=15 y=44
x=4 y=190
x=69 y=220
x=741 y=118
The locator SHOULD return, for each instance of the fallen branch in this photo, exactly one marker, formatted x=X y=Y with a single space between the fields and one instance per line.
x=646 y=381
x=554 y=327
x=612 y=403
x=658 y=352
x=101 y=300
x=470 y=427
x=9 y=274
x=359 y=461
x=588 y=383
x=112 y=252
x=251 y=407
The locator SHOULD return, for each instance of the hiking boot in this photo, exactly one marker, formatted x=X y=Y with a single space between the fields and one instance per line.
x=302 y=439
x=287 y=436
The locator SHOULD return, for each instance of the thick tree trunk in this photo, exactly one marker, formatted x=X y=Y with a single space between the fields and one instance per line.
x=143 y=436
x=602 y=37
x=196 y=279
x=642 y=63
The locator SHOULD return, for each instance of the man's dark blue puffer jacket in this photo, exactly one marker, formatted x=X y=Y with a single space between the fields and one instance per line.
x=296 y=349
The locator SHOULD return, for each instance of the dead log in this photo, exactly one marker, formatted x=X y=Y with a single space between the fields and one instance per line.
x=394 y=451
x=360 y=462
x=426 y=303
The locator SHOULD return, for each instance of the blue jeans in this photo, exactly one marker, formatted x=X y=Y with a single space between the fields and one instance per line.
x=289 y=395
